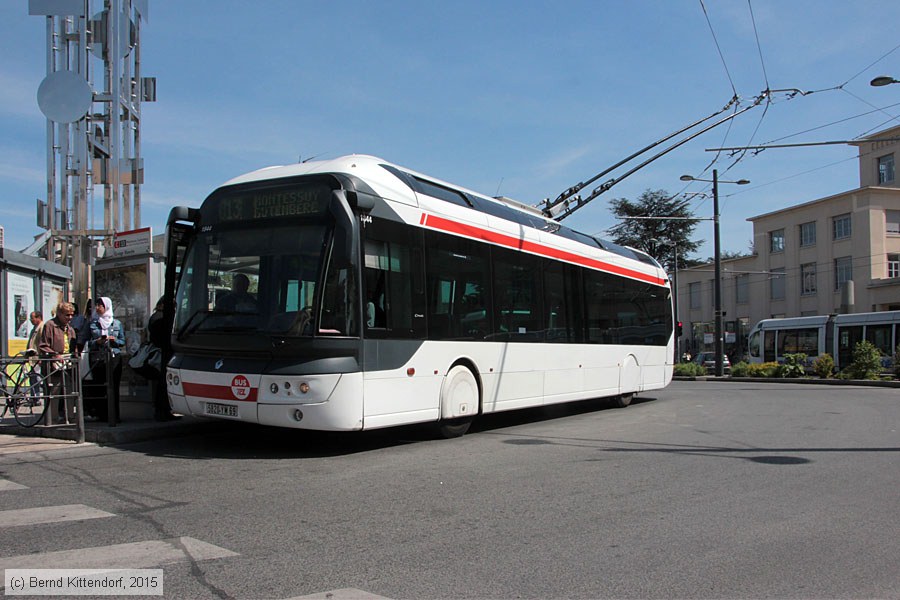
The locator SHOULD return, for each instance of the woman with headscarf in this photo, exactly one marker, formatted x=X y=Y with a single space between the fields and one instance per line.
x=105 y=344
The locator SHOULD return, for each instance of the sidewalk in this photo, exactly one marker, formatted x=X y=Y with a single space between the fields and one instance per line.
x=128 y=431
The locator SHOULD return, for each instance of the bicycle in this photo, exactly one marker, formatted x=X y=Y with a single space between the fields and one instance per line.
x=23 y=389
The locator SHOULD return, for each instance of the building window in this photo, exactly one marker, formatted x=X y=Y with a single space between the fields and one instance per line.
x=694 y=291
x=841 y=226
x=843 y=271
x=808 y=234
x=893 y=265
x=776 y=241
x=808 y=279
x=742 y=288
x=892 y=222
x=886 y=169
x=776 y=287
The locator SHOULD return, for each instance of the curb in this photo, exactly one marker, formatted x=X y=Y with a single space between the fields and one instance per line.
x=800 y=380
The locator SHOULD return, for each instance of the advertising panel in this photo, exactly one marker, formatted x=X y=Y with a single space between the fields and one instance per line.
x=127 y=286
x=20 y=297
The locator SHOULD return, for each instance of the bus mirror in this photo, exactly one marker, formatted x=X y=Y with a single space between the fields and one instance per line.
x=344 y=238
x=364 y=202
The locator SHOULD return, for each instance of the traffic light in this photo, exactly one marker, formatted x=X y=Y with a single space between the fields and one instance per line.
x=678 y=329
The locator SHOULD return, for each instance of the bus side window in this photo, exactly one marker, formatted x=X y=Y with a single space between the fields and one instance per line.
x=457 y=288
x=392 y=276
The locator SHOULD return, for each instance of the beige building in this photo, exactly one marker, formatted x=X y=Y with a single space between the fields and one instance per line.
x=831 y=255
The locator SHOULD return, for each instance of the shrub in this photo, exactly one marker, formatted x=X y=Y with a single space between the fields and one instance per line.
x=689 y=370
x=897 y=362
x=757 y=370
x=824 y=366
x=793 y=366
x=866 y=362
x=741 y=369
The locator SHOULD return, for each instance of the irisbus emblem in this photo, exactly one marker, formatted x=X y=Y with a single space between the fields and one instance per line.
x=219 y=364
x=240 y=387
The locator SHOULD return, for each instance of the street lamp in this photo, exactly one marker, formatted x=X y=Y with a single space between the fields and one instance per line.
x=719 y=345
x=883 y=80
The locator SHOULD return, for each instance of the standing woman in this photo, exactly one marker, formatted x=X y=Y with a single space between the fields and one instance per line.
x=106 y=332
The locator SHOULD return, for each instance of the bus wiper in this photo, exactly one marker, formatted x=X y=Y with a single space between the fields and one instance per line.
x=188 y=327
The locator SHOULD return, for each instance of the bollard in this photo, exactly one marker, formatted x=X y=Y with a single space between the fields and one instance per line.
x=111 y=408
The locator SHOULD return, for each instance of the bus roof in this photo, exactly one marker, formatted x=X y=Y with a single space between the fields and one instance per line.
x=400 y=184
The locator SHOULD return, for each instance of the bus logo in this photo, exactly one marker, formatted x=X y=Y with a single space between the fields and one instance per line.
x=240 y=387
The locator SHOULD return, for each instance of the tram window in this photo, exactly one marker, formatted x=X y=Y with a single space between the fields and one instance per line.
x=880 y=337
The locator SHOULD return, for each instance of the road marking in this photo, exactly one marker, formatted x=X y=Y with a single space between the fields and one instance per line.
x=136 y=555
x=341 y=594
x=6 y=485
x=50 y=514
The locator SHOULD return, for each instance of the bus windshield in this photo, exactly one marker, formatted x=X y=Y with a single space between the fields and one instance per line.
x=265 y=280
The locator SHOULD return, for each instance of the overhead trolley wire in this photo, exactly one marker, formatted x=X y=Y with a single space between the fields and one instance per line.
x=718 y=48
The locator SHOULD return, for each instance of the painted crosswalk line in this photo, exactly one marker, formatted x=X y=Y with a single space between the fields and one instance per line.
x=135 y=555
x=341 y=594
x=49 y=514
x=6 y=485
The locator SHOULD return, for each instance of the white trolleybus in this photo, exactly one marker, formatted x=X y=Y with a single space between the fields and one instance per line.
x=354 y=294
x=837 y=335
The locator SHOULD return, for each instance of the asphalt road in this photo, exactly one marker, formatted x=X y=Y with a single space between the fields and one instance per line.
x=702 y=490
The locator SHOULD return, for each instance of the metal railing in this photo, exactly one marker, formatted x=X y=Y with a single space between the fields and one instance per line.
x=43 y=392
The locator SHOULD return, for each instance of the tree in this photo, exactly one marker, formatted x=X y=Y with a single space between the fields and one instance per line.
x=660 y=238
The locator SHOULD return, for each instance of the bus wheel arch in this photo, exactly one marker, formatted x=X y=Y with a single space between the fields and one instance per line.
x=629 y=381
x=460 y=399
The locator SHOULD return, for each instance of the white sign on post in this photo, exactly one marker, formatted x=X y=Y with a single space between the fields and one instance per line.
x=130 y=243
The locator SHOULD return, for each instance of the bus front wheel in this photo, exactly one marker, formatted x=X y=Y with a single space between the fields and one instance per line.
x=459 y=401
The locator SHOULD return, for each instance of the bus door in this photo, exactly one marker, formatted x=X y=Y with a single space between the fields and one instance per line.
x=179 y=231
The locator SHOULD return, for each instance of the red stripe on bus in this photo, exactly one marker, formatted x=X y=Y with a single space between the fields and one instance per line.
x=215 y=392
x=509 y=241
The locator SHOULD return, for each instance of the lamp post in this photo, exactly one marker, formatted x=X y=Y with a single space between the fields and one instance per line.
x=883 y=80
x=717 y=284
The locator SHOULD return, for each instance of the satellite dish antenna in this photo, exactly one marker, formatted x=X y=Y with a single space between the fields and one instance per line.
x=127 y=34
x=64 y=97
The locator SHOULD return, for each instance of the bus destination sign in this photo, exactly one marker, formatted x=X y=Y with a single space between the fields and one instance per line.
x=275 y=203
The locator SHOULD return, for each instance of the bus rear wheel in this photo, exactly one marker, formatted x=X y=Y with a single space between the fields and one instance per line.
x=622 y=400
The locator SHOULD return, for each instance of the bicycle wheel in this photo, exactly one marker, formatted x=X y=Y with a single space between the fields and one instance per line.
x=29 y=409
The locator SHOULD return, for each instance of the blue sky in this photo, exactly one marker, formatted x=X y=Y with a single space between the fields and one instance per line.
x=527 y=98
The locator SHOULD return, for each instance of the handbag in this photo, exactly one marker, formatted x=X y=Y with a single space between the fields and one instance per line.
x=84 y=365
x=147 y=361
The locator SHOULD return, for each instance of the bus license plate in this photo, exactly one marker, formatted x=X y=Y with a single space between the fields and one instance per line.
x=221 y=410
